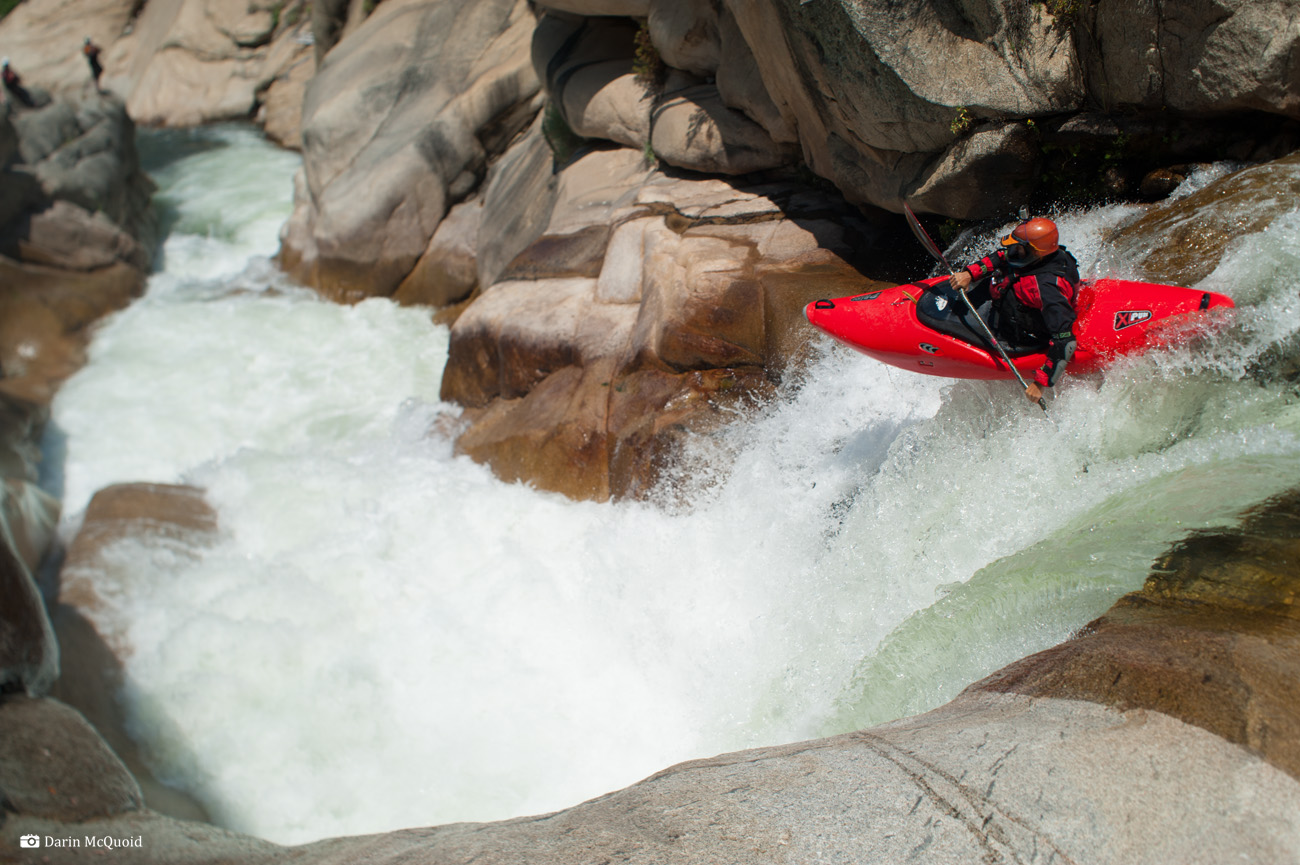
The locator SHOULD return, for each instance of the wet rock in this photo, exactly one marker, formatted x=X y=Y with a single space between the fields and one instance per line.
x=1213 y=638
x=156 y=515
x=1159 y=183
x=29 y=654
x=141 y=511
x=1183 y=241
x=45 y=319
x=393 y=136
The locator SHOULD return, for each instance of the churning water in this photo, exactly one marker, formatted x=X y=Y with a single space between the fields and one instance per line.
x=386 y=636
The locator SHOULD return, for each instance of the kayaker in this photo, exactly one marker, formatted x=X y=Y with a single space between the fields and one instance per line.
x=1029 y=299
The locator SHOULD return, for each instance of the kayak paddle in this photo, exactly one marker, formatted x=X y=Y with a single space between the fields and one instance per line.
x=933 y=248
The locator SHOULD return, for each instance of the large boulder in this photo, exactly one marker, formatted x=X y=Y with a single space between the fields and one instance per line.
x=926 y=102
x=876 y=91
x=398 y=126
x=54 y=767
x=92 y=677
x=641 y=307
x=692 y=127
x=76 y=234
x=187 y=62
x=1198 y=58
x=596 y=74
x=173 y=62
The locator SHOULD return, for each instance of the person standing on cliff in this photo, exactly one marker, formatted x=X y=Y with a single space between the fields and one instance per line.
x=14 y=84
x=91 y=50
x=1029 y=296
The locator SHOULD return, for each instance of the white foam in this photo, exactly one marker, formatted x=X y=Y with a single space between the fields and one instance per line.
x=387 y=636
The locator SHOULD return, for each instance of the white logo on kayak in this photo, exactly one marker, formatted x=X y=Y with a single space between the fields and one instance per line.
x=1130 y=317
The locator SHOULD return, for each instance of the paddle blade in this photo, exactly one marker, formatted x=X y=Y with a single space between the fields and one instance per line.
x=930 y=246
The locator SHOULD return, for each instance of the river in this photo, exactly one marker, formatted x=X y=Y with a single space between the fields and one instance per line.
x=387 y=636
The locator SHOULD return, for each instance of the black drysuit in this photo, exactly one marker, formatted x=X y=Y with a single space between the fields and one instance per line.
x=1032 y=305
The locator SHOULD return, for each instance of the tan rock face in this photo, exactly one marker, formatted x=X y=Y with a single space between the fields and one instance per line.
x=448 y=270
x=693 y=128
x=1213 y=638
x=645 y=310
x=398 y=125
x=44 y=40
x=187 y=62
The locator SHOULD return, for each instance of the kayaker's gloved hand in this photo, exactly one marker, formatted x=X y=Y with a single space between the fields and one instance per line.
x=1060 y=350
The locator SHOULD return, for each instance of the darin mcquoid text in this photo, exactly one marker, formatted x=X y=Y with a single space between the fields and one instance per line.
x=91 y=841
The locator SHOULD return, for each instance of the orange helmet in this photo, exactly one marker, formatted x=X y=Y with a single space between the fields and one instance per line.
x=1038 y=234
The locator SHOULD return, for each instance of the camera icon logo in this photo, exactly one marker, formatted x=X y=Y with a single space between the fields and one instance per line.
x=29 y=841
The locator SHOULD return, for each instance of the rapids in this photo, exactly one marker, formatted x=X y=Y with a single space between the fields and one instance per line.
x=387 y=636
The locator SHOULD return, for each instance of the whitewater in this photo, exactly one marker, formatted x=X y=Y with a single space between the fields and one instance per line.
x=384 y=635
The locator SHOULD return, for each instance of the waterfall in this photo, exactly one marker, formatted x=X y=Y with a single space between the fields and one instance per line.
x=385 y=635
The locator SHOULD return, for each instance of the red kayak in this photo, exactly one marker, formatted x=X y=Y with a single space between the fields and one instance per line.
x=924 y=331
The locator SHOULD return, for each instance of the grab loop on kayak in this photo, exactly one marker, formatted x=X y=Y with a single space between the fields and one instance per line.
x=824 y=304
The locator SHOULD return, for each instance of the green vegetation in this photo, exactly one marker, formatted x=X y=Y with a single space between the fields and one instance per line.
x=962 y=121
x=1118 y=149
x=561 y=138
x=648 y=155
x=647 y=65
x=1063 y=9
x=7 y=6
